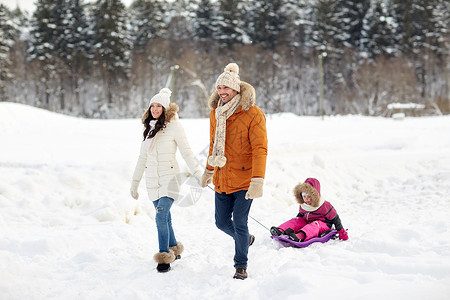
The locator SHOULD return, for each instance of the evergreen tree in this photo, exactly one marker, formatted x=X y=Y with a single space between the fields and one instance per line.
x=423 y=32
x=204 y=20
x=147 y=22
x=338 y=24
x=422 y=25
x=378 y=33
x=59 y=48
x=350 y=17
x=269 y=22
x=229 y=23
x=111 y=44
x=20 y=19
x=7 y=35
x=45 y=30
x=298 y=26
x=180 y=27
x=326 y=28
x=74 y=46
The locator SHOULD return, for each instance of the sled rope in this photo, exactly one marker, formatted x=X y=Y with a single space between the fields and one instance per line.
x=259 y=222
x=248 y=215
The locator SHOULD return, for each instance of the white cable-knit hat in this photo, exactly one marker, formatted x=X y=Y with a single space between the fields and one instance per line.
x=163 y=98
x=230 y=77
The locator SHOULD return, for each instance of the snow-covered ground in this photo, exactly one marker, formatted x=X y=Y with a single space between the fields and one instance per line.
x=70 y=230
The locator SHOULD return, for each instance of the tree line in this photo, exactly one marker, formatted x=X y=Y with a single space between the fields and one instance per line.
x=105 y=60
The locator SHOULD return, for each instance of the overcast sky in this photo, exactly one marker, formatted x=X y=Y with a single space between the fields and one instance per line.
x=29 y=4
x=23 y=4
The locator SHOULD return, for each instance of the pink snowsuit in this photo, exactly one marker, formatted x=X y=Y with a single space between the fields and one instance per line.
x=312 y=219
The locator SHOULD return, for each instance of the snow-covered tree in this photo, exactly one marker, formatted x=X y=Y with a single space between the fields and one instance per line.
x=180 y=27
x=79 y=54
x=423 y=31
x=46 y=24
x=7 y=36
x=379 y=31
x=147 y=22
x=326 y=27
x=268 y=21
x=422 y=25
x=59 y=49
x=298 y=25
x=111 y=44
x=204 y=20
x=45 y=29
x=74 y=46
x=350 y=15
x=229 y=23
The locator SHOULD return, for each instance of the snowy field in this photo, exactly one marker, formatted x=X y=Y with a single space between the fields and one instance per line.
x=70 y=230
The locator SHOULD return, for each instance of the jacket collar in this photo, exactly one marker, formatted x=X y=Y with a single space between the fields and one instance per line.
x=171 y=112
x=309 y=189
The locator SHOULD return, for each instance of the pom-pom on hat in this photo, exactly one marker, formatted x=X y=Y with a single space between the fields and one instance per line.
x=163 y=98
x=230 y=77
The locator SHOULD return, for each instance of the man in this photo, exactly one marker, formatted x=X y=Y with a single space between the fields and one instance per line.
x=237 y=159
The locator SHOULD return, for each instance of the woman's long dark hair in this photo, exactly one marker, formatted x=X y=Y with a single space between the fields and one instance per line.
x=160 y=123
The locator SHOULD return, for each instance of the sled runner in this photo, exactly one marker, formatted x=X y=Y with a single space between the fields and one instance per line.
x=286 y=242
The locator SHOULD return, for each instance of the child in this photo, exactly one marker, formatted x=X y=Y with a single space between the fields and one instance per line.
x=315 y=217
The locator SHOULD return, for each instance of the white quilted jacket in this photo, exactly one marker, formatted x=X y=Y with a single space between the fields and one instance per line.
x=162 y=174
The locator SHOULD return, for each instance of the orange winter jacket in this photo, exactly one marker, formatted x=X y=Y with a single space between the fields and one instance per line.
x=245 y=144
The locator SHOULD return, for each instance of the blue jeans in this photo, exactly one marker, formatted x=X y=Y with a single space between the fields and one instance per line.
x=231 y=217
x=166 y=236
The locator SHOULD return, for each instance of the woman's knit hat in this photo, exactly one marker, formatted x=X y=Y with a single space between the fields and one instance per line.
x=230 y=77
x=311 y=186
x=163 y=98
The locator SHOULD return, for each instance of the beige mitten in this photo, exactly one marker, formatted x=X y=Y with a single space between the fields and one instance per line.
x=207 y=177
x=255 y=190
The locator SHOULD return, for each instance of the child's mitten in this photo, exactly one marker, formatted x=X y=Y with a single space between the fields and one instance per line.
x=343 y=234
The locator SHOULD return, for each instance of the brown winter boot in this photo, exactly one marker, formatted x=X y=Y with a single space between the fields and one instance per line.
x=241 y=273
x=177 y=250
x=251 y=239
x=164 y=259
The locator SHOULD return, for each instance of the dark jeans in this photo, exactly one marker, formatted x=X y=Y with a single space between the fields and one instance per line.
x=231 y=217
x=166 y=236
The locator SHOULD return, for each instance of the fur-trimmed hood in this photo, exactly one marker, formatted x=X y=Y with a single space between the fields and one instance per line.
x=171 y=112
x=310 y=186
x=247 y=93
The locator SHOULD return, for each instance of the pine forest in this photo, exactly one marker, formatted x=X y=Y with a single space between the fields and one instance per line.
x=102 y=59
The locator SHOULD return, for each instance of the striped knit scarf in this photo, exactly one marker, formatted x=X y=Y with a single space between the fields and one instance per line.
x=223 y=112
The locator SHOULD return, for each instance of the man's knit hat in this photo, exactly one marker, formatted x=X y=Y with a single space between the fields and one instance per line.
x=230 y=77
x=163 y=98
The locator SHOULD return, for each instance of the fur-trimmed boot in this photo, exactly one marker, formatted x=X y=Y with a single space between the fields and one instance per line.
x=177 y=250
x=164 y=259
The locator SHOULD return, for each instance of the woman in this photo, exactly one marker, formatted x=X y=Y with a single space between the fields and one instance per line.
x=163 y=134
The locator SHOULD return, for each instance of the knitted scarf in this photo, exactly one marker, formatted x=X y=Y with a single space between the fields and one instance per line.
x=223 y=112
